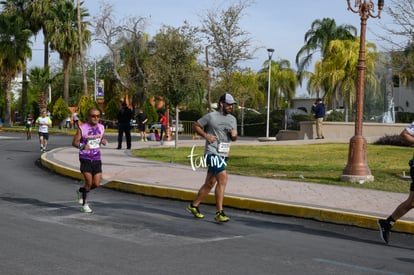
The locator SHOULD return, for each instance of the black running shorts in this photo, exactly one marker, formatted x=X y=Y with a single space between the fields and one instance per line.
x=90 y=166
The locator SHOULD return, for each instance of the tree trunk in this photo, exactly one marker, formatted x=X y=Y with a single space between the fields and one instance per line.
x=81 y=55
x=46 y=65
x=66 y=75
x=7 y=101
x=23 y=106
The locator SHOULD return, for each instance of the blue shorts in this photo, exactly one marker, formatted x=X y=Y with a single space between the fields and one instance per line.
x=216 y=163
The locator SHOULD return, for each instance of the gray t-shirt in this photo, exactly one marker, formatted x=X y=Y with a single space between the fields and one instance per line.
x=219 y=125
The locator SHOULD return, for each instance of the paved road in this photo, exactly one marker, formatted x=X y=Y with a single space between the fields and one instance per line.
x=344 y=205
x=43 y=232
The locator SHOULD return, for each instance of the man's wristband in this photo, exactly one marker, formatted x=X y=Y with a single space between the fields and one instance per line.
x=81 y=146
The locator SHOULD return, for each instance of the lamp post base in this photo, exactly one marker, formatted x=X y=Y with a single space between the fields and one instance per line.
x=357 y=169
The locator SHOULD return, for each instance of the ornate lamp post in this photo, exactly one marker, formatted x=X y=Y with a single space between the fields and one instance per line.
x=270 y=53
x=357 y=169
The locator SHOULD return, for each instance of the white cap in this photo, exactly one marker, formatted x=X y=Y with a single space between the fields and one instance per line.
x=227 y=98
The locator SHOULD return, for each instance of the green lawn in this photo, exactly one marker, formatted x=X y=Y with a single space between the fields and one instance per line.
x=317 y=163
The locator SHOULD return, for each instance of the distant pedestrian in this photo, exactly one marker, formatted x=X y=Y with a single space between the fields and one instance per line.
x=29 y=125
x=75 y=120
x=44 y=123
x=219 y=128
x=142 y=122
x=156 y=135
x=67 y=123
x=385 y=225
x=318 y=109
x=124 y=125
x=163 y=122
x=151 y=136
x=88 y=139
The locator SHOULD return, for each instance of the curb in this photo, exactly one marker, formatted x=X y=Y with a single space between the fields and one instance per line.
x=268 y=207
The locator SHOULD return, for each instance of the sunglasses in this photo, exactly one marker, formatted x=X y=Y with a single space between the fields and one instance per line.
x=95 y=116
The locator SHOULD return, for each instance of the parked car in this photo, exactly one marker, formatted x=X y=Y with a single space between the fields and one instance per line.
x=134 y=124
x=180 y=127
x=157 y=126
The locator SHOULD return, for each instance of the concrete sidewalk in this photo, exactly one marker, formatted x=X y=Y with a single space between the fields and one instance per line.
x=343 y=205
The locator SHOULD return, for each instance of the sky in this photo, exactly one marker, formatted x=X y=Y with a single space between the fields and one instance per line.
x=276 y=24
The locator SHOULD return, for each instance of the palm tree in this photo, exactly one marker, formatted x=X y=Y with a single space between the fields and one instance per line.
x=314 y=85
x=64 y=38
x=81 y=53
x=283 y=81
x=40 y=79
x=317 y=40
x=246 y=89
x=14 y=49
x=37 y=13
x=340 y=68
x=20 y=8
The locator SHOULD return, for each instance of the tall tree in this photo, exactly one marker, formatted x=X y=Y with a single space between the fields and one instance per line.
x=64 y=38
x=246 y=89
x=339 y=69
x=14 y=49
x=317 y=40
x=128 y=47
x=399 y=36
x=283 y=82
x=400 y=33
x=173 y=65
x=229 y=44
x=21 y=8
x=81 y=52
x=37 y=13
x=40 y=79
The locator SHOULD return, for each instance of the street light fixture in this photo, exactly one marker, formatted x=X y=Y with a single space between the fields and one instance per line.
x=357 y=169
x=270 y=53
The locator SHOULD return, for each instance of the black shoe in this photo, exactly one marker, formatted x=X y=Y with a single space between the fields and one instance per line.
x=384 y=229
x=118 y=148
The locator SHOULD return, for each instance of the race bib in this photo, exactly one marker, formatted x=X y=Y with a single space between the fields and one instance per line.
x=94 y=143
x=223 y=147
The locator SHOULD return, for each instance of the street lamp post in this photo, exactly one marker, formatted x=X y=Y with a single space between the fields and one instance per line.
x=208 y=82
x=357 y=169
x=94 y=79
x=270 y=53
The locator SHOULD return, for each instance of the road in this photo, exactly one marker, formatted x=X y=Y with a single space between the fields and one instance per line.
x=44 y=232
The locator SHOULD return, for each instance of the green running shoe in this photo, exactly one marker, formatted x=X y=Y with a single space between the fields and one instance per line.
x=86 y=209
x=194 y=210
x=221 y=217
x=79 y=197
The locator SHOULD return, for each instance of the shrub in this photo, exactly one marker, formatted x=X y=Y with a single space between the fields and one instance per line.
x=190 y=115
x=60 y=109
x=85 y=103
x=404 y=117
x=335 y=116
x=395 y=140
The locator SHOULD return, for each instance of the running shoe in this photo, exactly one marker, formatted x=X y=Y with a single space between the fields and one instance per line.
x=194 y=210
x=79 y=199
x=221 y=217
x=384 y=229
x=86 y=209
